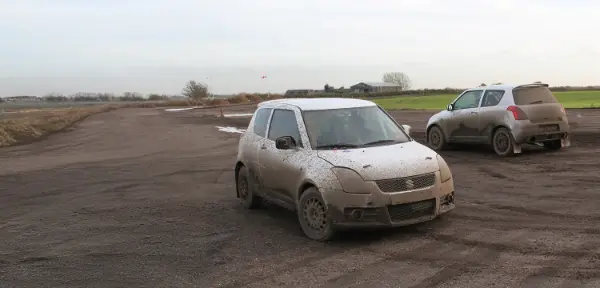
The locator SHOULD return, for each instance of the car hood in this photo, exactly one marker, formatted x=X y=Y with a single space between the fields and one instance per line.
x=385 y=162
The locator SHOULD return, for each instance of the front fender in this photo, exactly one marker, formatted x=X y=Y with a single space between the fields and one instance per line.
x=437 y=119
x=319 y=174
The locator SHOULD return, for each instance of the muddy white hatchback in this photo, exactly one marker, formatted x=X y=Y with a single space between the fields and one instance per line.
x=504 y=116
x=339 y=163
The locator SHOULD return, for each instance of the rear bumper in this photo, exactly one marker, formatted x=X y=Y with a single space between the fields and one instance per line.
x=527 y=132
x=379 y=209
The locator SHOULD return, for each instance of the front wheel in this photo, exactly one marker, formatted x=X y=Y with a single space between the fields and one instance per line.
x=435 y=138
x=314 y=217
x=246 y=191
x=503 y=142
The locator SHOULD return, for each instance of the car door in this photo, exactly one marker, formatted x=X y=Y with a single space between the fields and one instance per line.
x=281 y=170
x=255 y=142
x=463 y=123
x=490 y=113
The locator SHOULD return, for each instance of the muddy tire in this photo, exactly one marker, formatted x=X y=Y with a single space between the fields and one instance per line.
x=553 y=145
x=245 y=191
x=313 y=216
x=503 y=142
x=435 y=139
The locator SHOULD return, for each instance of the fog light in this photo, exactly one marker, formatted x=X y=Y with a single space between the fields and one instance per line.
x=447 y=199
x=357 y=214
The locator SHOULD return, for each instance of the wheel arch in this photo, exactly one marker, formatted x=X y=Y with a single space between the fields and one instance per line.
x=303 y=187
x=429 y=129
x=490 y=137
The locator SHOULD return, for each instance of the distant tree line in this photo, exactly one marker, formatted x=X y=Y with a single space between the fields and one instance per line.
x=422 y=92
x=101 y=97
x=192 y=90
x=404 y=83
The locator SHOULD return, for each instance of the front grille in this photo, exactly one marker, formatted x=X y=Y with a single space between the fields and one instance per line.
x=408 y=211
x=406 y=183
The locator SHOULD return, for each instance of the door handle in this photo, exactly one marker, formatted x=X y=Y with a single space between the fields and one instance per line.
x=263 y=146
x=473 y=112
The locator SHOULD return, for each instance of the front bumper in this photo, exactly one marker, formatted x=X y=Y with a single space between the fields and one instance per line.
x=380 y=209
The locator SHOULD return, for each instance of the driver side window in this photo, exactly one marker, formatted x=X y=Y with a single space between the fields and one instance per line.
x=283 y=123
x=468 y=100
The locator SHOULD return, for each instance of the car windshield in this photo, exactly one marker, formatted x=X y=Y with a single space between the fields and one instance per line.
x=351 y=128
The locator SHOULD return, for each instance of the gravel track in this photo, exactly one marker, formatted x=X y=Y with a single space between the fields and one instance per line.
x=145 y=198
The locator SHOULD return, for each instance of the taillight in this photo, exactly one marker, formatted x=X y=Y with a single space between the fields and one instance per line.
x=562 y=108
x=517 y=113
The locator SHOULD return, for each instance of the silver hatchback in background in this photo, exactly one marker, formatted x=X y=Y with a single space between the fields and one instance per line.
x=504 y=116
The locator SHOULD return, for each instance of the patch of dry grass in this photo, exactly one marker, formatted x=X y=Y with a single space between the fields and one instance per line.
x=37 y=124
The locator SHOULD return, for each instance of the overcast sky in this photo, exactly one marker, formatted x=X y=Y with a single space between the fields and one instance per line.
x=147 y=46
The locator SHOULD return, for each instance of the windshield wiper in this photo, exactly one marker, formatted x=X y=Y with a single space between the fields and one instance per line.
x=384 y=141
x=337 y=145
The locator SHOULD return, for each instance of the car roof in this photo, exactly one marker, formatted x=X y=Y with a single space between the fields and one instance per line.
x=508 y=86
x=319 y=103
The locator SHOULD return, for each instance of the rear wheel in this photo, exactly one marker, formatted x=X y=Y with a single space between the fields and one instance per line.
x=435 y=138
x=314 y=217
x=553 y=145
x=503 y=142
x=245 y=190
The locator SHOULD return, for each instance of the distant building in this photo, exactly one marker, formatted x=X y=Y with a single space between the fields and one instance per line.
x=23 y=99
x=375 y=87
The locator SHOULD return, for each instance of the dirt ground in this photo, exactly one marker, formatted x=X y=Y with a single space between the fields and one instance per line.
x=145 y=198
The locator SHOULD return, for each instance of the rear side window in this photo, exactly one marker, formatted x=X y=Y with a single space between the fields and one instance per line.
x=260 y=121
x=533 y=95
x=492 y=98
x=284 y=124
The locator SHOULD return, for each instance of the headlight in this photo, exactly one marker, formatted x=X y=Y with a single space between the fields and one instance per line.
x=445 y=173
x=350 y=180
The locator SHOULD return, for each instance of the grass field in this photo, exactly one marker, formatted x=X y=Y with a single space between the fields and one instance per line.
x=572 y=99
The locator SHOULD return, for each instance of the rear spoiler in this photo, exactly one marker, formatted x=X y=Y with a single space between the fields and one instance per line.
x=532 y=85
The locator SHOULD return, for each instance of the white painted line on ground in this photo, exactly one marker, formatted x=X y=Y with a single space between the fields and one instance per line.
x=179 y=109
x=239 y=115
x=230 y=129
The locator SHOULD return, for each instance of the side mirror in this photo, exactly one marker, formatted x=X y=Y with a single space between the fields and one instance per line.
x=406 y=129
x=450 y=107
x=285 y=143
